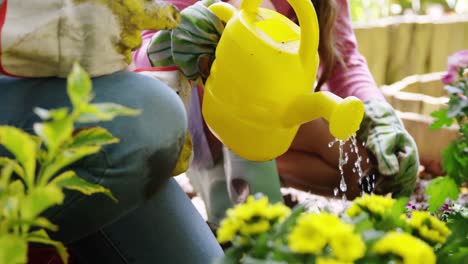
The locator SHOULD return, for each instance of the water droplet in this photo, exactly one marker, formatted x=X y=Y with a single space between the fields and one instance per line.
x=354 y=170
x=343 y=186
x=335 y=191
x=363 y=144
x=373 y=176
x=343 y=198
x=367 y=160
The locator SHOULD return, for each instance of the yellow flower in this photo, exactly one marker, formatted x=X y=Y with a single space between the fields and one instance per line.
x=308 y=236
x=347 y=246
x=252 y=208
x=373 y=204
x=253 y=217
x=278 y=212
x=428 y=227
x=254 y=228
x=411 y=249
x=314 y=231
x=330 y=261
x=227 y=230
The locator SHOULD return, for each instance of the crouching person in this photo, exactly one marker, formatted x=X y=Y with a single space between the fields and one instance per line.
x=153 y=220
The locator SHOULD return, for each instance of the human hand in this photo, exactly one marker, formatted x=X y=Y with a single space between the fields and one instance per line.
x=137 y=15
x=191 y=46
x=391 y=148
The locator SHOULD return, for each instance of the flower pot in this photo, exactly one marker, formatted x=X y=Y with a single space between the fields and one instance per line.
x=415 y=98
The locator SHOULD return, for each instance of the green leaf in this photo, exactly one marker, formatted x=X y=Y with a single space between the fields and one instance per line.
x=232 y=255
x=39 y=199
x=441 y=119
x=70 y=180
x=13 y=249
x=260 y=248
x=284 y=227
x=104 y=112
x=40 y=236
x=252 y=260
x=15 y=167
x=399 y=207
x=16 y=188
x=54 y=133
x=79 y=86
x=22 y=146
x=92 y=136
x=361 y=222
x=54 y=114
x=439 y=190
x=455 y=248
x=455 y=161
x=65 y=158
x=40 y=222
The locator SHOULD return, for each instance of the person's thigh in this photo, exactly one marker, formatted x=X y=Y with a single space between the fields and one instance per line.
x=132 y=169
x=166 y=229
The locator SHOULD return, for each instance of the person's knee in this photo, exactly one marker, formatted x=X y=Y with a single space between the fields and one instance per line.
x=150 y=143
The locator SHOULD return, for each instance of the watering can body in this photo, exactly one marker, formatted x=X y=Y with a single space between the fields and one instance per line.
x=260 y=86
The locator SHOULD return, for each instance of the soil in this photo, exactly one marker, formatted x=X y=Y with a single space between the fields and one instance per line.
x=318 y=203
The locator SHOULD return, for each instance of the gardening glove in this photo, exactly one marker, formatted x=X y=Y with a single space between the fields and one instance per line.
x=391 y=149
x=44 y=38
x=191 y=45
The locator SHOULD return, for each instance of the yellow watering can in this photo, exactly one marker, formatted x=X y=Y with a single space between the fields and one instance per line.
x=260 y=86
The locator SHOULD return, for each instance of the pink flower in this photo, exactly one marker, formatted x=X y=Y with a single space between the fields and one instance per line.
x=458 y=60
x=449 y=77
x=455 y=62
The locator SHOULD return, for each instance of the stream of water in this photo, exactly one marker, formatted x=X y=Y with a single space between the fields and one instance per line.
x=343 y=160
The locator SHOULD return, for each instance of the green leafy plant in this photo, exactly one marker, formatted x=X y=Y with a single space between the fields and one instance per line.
x=374 y=229
x=455 y=156
x=35 y=178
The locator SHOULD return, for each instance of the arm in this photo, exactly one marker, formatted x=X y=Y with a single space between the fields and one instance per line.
x=354 y=77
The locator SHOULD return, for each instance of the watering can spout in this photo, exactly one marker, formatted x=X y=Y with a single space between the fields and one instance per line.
x=343 y=115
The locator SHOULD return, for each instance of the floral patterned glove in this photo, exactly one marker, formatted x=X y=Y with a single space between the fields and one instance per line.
x=391 y=149
x=44 y=38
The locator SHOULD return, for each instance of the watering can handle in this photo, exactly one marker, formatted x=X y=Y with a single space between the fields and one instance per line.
x=223 y=11
x=305 y=13
x=308 y=21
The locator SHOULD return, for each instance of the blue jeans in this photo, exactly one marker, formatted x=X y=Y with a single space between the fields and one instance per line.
x=153 y=221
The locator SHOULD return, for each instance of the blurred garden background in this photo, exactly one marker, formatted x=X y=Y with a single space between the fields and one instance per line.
x=406 y=44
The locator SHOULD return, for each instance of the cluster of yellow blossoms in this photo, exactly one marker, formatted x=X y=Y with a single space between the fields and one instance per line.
x=375 y=205
x=332 y=240
x=253 y=217
x=313 y=232
x=428 y=227
x=409 y=248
